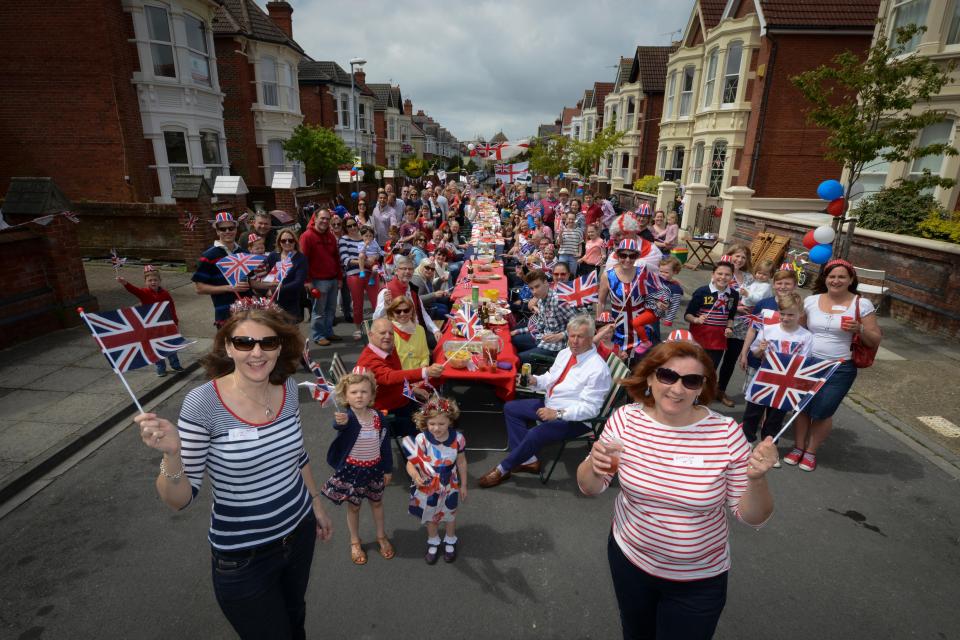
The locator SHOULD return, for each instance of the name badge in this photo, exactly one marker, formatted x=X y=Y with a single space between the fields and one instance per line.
x=367 y=435
x=838 y=307
x=238 y=435
x=688 y=461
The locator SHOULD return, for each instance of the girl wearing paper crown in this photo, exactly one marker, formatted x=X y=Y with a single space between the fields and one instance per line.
x=635 y=292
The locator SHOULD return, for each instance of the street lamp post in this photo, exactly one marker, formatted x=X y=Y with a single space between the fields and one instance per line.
x=355 y=115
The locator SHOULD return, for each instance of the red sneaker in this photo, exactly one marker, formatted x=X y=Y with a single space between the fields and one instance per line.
x=809 y=462
x=793 y=458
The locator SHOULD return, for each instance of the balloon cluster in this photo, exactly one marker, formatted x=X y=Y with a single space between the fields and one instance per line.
x=472 y=148
x=818 y=241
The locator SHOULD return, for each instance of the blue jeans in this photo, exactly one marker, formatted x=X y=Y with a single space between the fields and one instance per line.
x=324 y=309
x=261 y=590
x=525 y=441
x=174 y=363
x=570 y=261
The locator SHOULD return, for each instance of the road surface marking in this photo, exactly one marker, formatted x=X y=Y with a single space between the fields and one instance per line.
x=941 y=425
x=886 y=354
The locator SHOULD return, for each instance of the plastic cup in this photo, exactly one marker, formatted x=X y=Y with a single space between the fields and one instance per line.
x=614 y=448
x=845 y=321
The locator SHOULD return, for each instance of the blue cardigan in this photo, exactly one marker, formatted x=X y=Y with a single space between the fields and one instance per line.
x=347 y=436
x=288 y=298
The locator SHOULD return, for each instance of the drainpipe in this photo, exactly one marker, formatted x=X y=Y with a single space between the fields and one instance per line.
x=763 y=111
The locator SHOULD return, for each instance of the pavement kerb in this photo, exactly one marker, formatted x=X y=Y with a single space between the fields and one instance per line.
x=55 y=455
x=910 y=436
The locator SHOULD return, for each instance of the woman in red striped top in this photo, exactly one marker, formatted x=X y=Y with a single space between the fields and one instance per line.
x=679 y=463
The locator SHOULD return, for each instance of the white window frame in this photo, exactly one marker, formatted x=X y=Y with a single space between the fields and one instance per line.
x=203 y=55
x=710 y=79
x=662 y=162
x=671 y=95
x=927 y=137
x=346 y=115
x=873 y=177
x=731 y=77
x=286 y=79
x=272 y=165
x=953 y=26
x=216 y=168
x=697 y=164
x=686 y=90
x=391 y=128
x=717 y=172
x=176 y=168
x=362 y=116
x=269 y=81
x=676 y=161
x=154 y=43
x=896 y=21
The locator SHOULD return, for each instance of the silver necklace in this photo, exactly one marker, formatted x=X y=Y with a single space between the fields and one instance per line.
x=267 y=411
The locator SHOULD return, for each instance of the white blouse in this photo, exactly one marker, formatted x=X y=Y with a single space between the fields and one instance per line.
x=829 y=340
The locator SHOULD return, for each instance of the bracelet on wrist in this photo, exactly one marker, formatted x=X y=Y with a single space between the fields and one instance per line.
x=163 y=470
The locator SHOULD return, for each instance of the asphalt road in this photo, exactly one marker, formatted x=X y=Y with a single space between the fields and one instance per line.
x=868 y=546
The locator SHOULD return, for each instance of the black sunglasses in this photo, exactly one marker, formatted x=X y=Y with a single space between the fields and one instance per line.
x=691 y=381
x=226 y=228
x=625 y=254
x=350 y=225
x=287 y=241
x=246 y=343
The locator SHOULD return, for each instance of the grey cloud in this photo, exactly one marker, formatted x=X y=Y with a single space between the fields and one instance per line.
x=479 y=67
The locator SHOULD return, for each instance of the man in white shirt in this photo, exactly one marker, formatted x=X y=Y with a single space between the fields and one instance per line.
x=575 y=387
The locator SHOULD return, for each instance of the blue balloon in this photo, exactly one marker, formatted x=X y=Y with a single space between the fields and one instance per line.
x=354 y=195
x=560 y=176
x=830 y=190
x=820 y=254
x=579 y=191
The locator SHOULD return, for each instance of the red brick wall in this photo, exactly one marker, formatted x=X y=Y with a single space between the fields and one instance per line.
x=927 y=298
x=69 y=110
x=50 y=281
x=651 y=108
x=237 y=81
x=317 y=105
x=380 y=133
x=790 y=162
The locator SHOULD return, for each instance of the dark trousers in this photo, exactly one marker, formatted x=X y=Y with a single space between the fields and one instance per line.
x=261 y=590
x=528 y=351
x=525 y=441
x=752 y=416
x=655 y=608
x=716 y=355
x=403 y=424
x=346 y=303
x=730 y=356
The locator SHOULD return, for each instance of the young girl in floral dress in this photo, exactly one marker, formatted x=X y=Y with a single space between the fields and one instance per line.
x=438 y=467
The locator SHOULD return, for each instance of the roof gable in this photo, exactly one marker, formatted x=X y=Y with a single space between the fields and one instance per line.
x=600 y=91
x=588 y=99
x=246 y=18
x=818 y=14
x=650 y=67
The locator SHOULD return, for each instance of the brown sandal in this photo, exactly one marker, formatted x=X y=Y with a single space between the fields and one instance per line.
x=357 y=554
x=386 y=549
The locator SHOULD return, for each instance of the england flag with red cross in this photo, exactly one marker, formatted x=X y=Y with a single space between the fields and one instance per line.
x=134 y=337
x=581 y=292
x=788 y=381
x=236 y=267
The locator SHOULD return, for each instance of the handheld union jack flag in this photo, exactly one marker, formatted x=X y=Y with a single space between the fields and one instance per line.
x=235 y=268
x=581 y=292
x=766 y=317
x=71 y=216
x=788 y=381
x=319 y=390
x=117 y=261
x=467 y=321
x=422 y=463
x=134 y=337
x=279 y=271
x=191 y=222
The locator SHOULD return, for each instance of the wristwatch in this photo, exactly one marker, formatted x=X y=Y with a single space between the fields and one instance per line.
x=560 y=414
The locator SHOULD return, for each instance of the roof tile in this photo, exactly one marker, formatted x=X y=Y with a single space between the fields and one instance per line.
x=836 y=14
x=246 y=18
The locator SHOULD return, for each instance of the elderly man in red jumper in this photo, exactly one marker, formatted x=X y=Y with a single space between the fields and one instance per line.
x=380 y=359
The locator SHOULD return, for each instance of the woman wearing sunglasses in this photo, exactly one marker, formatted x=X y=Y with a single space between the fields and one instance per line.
x=679 y=464
x=243 y=430
x=291 y=295
x=409 y=337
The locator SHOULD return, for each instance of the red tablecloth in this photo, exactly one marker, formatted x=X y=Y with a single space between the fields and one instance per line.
x=464 y=284
x=504 y=381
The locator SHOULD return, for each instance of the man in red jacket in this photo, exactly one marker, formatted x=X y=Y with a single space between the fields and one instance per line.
x=319 y=245
x=380 y=359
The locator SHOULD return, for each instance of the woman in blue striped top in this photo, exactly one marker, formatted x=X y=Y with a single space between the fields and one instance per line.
x=243 y=429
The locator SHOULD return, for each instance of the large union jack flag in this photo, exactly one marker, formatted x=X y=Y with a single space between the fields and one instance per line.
x=788 y=381
x=236 y=267
x=581 y=292
x=137 y=336
x=467 y=321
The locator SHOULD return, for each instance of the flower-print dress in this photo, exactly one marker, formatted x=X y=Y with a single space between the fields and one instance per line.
x=438 y=501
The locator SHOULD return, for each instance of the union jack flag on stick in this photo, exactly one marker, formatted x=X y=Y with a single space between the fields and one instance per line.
x=319 y=390
x=191 y=222
x=789 y=381
x=581 y=291
x=467 y=321
x=135 y=337
x=117 y=261
x=235 y=268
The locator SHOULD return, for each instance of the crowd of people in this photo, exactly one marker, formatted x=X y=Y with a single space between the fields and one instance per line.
x=679 y=462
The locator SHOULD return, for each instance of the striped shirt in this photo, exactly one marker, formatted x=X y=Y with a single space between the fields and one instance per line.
x=254 y=469
x=349 y=251
x=570 y=242
x=674 y=481
x=367 y=447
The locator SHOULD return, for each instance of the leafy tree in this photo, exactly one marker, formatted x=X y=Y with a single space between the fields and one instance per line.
x=586 y=156
x=550 y=156
x=471 y=166
x=867 y=106
x=414 y=167
x=320 y=150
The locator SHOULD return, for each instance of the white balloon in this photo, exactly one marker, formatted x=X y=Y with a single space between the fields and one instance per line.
x=471 y=146
x=360 y=173
x=824 y=235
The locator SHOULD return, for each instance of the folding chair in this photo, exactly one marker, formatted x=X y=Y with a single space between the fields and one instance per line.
x=337 y=368
x=618 y=371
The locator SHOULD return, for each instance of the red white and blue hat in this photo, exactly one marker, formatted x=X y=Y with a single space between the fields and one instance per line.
x=223 y=216
x=629 y=244
x=680 y=334
x=150 y=268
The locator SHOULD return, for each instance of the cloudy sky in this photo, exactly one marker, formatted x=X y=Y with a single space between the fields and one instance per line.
x=479 y=67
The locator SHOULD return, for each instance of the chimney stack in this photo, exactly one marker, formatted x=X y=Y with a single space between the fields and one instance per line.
x=407 y=107
x=281 y=13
